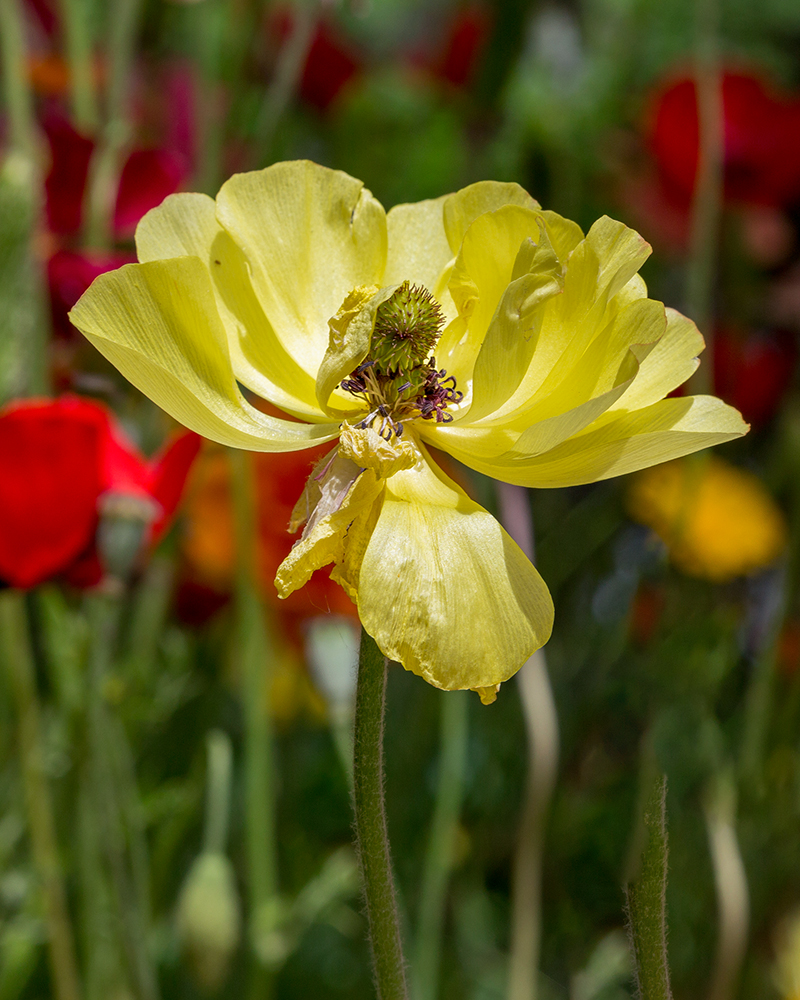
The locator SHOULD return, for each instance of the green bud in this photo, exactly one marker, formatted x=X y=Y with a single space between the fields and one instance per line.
x=209 y=920
x=407 y=327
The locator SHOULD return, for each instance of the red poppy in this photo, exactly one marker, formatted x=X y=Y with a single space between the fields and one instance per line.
x=148 y=176
x=753 y=371
x=466 y=39
x=761 y=140
x=58 y=459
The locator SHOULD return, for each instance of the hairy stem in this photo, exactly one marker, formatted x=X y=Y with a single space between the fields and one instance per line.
x=371 y=832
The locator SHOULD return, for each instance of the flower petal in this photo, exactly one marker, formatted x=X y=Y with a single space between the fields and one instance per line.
x=158 y=323
x=309 y=236
x=671 y=362
x=442 y=588
x=186 y=224
x=462 y=208
x=418 y=247
x=617 y=443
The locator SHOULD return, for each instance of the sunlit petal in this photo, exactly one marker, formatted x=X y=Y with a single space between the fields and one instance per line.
x=158 y=323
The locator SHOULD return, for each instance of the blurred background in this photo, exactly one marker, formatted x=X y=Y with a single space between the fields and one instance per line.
x=174 y=743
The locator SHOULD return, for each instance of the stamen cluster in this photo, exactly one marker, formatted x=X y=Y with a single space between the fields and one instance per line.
x=399 y=380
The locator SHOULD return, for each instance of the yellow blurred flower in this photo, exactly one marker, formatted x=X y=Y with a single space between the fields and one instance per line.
x=475 y=323
x=717 y=521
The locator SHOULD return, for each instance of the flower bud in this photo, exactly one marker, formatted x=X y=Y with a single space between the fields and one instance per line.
x=209 y=920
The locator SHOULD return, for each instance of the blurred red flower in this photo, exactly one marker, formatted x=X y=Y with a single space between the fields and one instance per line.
x=58 y=459
x=761 y=140
x=148 y=176
x=467 y=34
x=752 y=372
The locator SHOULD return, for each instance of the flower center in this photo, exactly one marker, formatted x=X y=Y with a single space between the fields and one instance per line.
x=398 y=380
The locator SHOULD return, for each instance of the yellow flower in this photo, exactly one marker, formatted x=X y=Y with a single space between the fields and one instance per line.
x=717 y=521
x=551 y=365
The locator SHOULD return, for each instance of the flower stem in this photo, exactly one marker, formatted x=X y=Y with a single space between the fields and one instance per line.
x=707 y=201
x=19 y=663
x=106 y=165
x=646 y=901
x=733 y=901
x=439 y=855
x=371 y=833
x=541 y=724
x=255 y=655
x=78 y=39
x=22 y=133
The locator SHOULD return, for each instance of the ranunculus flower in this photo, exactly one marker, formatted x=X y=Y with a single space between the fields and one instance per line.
x=58 y=460
x=718 y=522
x=550 y=369
x=761 y=140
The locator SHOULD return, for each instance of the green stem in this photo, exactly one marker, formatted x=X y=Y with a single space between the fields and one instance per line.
x=218 y=795
x=439 y=855
x=106 y=165
x=646 y=901
x=78 y=41
x=255 y=655
x=370 y=822
x=19 y=663
x=114 y=788
x=22 y=132
x=730 y=878
x=288 y=70
x=708 y=192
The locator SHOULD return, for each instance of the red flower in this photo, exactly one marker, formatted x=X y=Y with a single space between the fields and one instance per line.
x=57 y=460
x=753 y=372
x=148 y=176
x=761 y=140
x=467 y=35
x=69 y=274
x=331 y=62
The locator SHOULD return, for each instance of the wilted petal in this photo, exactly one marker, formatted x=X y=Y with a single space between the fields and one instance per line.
x=158 y=323
x=441 y=587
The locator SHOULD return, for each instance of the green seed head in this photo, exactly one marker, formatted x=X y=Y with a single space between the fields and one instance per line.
x=407 y=327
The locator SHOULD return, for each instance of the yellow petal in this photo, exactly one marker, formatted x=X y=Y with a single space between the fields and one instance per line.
x=309 y=235
x=482 y=272
x=418 y=249
x=443 y=589
x=512 y=335
x=158 y=323
x=671 y=362
x=462 y=208
x=616 y=444
x=186 y=224
x=564 y=234
x=323 y=541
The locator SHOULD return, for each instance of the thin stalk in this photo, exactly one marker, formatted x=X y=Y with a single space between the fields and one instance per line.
x=106 y=165
x=372 y=839
x=441 y=842
x=19 y=663
x=733 y=899
x=646 y=901
x=78 y=43
x=255 y=655
x=22 y=132
x=288 y=70
x=112 y=786
x=541 y=725
x=218 y=794
x=708 y=190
